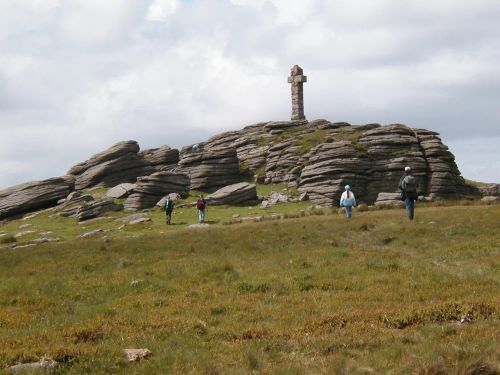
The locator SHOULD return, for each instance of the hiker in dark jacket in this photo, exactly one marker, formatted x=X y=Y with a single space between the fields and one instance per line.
x=169 y=208
x=408 y=187
x=201 y=205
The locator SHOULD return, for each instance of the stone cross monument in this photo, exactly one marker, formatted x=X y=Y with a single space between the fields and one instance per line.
x=297 y=79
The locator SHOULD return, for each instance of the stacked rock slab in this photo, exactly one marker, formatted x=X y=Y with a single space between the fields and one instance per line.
x=443 y=177
x=120 y=163
x=371 y=158
x=390 y=149
x=210 y=168
x=389 y=200
x=85 y=207
x=150 y=189
x=239 y=193
x=32 y=196
x=162 y=158
x=330 y=167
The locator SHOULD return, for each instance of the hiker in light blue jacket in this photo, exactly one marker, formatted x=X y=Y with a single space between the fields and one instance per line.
x=348 y=201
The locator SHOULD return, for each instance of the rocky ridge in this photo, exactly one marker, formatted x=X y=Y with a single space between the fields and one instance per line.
x=316 y=157
x=320 y=157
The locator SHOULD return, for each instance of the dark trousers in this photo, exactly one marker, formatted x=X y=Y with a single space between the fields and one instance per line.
x=410 y=207
x=169 y=217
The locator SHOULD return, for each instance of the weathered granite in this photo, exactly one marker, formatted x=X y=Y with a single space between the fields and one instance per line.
x=239 y=193
x=151 y=189
x=21 y=199
x=120 y=191
x=120 y=163
x=320 y=157
x=210 y=168
x=162 y=158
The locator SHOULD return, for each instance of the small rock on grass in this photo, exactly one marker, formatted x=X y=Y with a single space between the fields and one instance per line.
x=134 y=355
x=201 y=225
x=45 y=239
x=26 y=232
x=92 y=233
x=139 y=221
x=43 y=363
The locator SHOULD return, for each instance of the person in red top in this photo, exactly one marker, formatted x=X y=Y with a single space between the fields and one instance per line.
x=201 y=204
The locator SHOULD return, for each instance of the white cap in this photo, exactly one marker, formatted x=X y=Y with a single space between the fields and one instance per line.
x=407 y=169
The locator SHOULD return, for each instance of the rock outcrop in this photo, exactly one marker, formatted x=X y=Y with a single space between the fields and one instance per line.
x=84 y=206
x=162 y=158
x=320 y=157
x=97 y=208
x=317 y=157
x=239 y=193
x=120 y=163
x=209 y=167
x=489 y=190
x=150 y=189
x=32 y=196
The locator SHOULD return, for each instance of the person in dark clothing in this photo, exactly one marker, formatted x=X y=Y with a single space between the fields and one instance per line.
x=408 y=187
x=169 y=209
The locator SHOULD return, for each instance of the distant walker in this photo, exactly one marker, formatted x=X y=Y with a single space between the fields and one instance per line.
x=297 y=79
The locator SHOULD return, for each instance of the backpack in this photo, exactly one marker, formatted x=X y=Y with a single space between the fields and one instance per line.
x=200 y=204
x=409 y=184
x=169 y=205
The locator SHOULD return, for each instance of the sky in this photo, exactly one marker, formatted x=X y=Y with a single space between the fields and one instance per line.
x=77 y=76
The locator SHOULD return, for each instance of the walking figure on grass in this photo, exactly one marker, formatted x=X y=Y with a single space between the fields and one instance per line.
x=169 y=208
x=201 y=205
x=348 y=201
x=408 y=187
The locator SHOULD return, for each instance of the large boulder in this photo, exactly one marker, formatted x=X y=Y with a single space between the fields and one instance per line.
x=120 y=163
x=239 y=193
x=84 y=206
x=389 y=200
x=210 y=168
x=32 y=196
x=492 y=190
x=150 y=189
x=120 y=191
x=162 y=158
x=97 y=208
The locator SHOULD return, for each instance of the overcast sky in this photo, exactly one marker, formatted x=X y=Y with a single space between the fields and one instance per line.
x=79 y=75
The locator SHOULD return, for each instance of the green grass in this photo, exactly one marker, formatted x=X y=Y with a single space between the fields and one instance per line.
x=311 y=295
x=310 y=140
x=353 y=137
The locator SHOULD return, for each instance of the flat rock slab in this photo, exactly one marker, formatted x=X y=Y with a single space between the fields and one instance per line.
x=234 y=194
x=134 y=355
x=120 y=191
x=490 y=199
x=130 y=218
x=197 y=226
x=33 y=196
x=92 y=233
x=24 y=233
x=44 y=363
x=45 y=239
x=139 y=221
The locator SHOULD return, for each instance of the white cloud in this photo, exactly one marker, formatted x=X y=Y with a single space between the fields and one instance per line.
x=79 y=75
x=160 y=10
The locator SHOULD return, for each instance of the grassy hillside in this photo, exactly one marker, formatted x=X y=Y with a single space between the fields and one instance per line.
x=315 y=294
